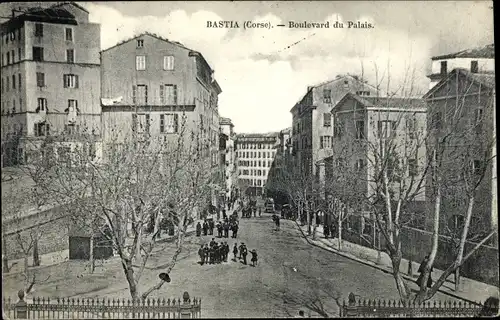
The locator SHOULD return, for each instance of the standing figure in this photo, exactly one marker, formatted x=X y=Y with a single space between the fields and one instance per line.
x=254 y=257
x=326 y=231
x=244 y=254
x=277 y=222
x=235 y=230
x=260 y=211
x=235 y=251
x=206 y=253
x=212 y=254
x=224 y=215
x=198 y=229
x=241 y=249
x=212 y=242
x=219 y=229
x=211 y=225
x=201 y=253
x=205 y=228
x=226 y=229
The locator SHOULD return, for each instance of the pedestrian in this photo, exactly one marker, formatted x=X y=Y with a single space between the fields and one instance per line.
x=235 y=230
x=226 y=251
x=254 y=257
x=219 y=229
x=421 y=270
x=212 y=254
x=211 y=225
x=198 y=229
x=260 y=211
x=254 y=212
x=212 y=242
x=226 y=229
x=244 y=254
x=205 y=228
x=241 y=249
x=201 y=253
x=224 y=215
x=326 y=230
x=206 y=253
x=277 y=222
x=235 y=251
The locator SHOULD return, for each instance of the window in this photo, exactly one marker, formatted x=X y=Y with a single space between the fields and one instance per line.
x=168 y=63
x=13 y=54
x=474 y=68
x=412 y=167
x=327 y=96
x=38 y=53
x=13 y=81
x=41 y=129
x=70 y=81
x=140 y=43
x=70 y=56
x=458 y=221
x=38 y=30
x=42 y=105
x=140 y=94
x=40 y=79
x=168 y=94
x=140 y=123
x=360 y=129
x=7 y=84
x=69 y=34
x=8 y=58
x=14 y=106
x=346 y=84
x=327 y=119
x=477 y=167
x=325 y=142
x=12 y=36
x=360 y=164
x=71 y=129
x=19 y=81
x=169 y=123
x=436 y=120
x=339 y=162
x=363 y=93
x=411 y=126
x=444 y=67
x=338 y=129
x=140 y=62
x=478 y=116
x=19 y=53
x=386 y=129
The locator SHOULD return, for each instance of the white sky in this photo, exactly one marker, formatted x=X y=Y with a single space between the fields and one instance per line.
x=261 y=79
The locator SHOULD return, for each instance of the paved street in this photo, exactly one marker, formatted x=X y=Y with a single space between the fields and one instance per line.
x=291 y=275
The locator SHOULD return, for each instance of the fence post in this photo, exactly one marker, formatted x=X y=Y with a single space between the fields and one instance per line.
x=186 y=308
x=21 y=308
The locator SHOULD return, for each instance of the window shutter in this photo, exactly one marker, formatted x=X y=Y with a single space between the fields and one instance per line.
x=134 y=91
x=175 y=94
x=162 y=123
x=65 y=82
x=162 y=93
x=145 y=94
x=76 y=81
x=176 y=123
x=47 y=129
x=134 y=122
x=379 y=129
x=147 y=123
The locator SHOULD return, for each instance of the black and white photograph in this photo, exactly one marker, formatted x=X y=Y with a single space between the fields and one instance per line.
x=248 y=159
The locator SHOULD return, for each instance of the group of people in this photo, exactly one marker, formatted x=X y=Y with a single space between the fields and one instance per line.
x=215 y=253
x=223 y=228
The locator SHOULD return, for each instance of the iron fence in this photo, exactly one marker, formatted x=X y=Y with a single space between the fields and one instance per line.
x=60 y=308
x=395 y=309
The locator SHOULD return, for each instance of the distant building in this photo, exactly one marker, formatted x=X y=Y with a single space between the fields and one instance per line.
x=255 y=153
x=231 y=170
x=158 y=89
x=280 y=168
x=477 y=60
x=50 y=78
x=470 y=98
x=312 y=128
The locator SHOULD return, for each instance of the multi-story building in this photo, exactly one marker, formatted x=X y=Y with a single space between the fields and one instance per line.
x=231 y=170
x=462 y=107
x=255 y=153
x=280 y=168
x=364 y=128
x=312 y=128
x=477 y=60
x=50 y=77
x=160 y=88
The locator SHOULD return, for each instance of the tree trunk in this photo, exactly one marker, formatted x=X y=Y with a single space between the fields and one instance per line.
x=92 y=260
x=308 y=213
x=36 y=255
x=457 y=279
x=129 y=274
x=404 y=291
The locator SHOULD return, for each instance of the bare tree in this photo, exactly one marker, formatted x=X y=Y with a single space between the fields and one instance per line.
x=131 y=190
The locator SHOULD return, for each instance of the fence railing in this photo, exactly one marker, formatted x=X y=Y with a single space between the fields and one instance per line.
x=435 y=309
x=60 y=308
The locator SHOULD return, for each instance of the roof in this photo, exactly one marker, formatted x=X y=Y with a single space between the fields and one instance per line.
x=225 y=121
x=258 y=135
x=286 y=130
x=486 y=52
x=71 y=3
x=154 y=35
x=384 y=102
x=49 y=15
x=486 y=79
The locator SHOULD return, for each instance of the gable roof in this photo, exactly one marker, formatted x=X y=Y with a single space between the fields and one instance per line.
x=486 y=79
x=487 y=52
x=383 y=102
x=154 y=35
x=71 y=3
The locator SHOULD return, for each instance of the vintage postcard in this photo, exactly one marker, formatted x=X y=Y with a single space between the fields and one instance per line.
x=245 y=159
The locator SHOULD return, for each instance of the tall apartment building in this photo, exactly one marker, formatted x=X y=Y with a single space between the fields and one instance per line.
x=50 y=77
x=280 y=168
x=151 y=85
x=477 y=60
x=462 y=106
x=255 y=153
x=231 y=170
x=312 y=128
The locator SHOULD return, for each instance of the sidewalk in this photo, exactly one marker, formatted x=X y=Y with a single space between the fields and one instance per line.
x=471 y=290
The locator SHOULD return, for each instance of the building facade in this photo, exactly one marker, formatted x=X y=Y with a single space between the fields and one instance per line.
x=50 y=78
x=462 y=107
x=163 y=91
x=312 y=128
x=255 y=154
x=477 y=60
x=231 y=170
